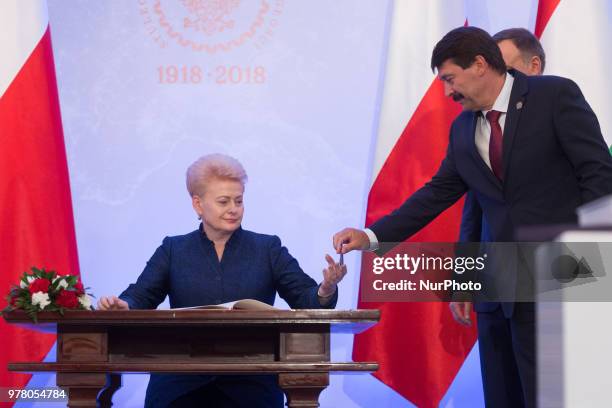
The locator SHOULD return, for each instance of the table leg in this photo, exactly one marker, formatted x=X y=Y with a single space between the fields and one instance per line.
x=302 y=390
x=89 y=389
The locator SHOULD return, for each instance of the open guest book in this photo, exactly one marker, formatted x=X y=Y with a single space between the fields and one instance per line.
x=242 y=304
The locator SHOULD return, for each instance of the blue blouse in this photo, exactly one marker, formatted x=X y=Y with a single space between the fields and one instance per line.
x=187 y=269
x=253 y=266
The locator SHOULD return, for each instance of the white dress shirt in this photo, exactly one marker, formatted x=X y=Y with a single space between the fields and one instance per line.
x=483 y=127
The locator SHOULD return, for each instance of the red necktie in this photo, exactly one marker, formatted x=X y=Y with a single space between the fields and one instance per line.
x=495 y=144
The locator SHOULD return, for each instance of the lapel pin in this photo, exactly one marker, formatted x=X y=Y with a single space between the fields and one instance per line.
x=519 y=105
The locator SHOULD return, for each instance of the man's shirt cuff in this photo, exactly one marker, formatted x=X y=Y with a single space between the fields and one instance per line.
x=373 y=239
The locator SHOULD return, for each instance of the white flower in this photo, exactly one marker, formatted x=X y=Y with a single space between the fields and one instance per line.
x=41 y=299
x=85 y=301
x=24 y=285
x=63 y=284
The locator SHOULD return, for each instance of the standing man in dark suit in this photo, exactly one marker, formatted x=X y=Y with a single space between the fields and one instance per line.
x=531 y=151
x=522 y=51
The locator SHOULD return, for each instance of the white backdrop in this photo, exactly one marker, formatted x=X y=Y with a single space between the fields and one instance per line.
x=295 y=99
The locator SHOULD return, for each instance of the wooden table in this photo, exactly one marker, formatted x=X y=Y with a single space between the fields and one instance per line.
x=95 y=347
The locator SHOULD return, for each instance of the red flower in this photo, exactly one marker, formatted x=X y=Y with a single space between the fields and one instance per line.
x=39 y=285
x=79 y=288
x=67 y=299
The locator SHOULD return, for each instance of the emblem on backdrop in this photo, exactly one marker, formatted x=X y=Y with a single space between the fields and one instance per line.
x=210 y=16
x=210 y=26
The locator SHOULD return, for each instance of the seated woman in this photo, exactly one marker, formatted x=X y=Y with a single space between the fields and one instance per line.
x=218 y=263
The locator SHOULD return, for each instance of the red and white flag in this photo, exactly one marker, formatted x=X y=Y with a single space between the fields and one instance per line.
x=418 y=345
x=36 y=220
x=576 y=37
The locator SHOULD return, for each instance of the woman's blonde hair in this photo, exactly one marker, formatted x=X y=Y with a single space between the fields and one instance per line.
x=211 y=166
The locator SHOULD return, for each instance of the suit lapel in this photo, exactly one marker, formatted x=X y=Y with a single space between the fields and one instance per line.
x=515 y=107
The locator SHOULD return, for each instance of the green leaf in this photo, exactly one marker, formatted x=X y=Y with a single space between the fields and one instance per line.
x=72 y=280
x=33 y=316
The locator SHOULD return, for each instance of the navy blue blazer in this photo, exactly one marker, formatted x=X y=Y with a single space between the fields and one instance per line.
x=554 y=159
x=472 y=223
x=187 y=270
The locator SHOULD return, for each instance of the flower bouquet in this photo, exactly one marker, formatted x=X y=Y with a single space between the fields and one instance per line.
x=42 y=290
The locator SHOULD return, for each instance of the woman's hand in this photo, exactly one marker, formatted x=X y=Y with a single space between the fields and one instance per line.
x=112 y=303
x=331 y=276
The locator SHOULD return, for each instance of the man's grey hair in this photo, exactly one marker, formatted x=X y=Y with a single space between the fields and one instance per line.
x=528 y=44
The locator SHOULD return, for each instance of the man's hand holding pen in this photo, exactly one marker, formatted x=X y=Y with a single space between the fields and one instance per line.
x=350 y=239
